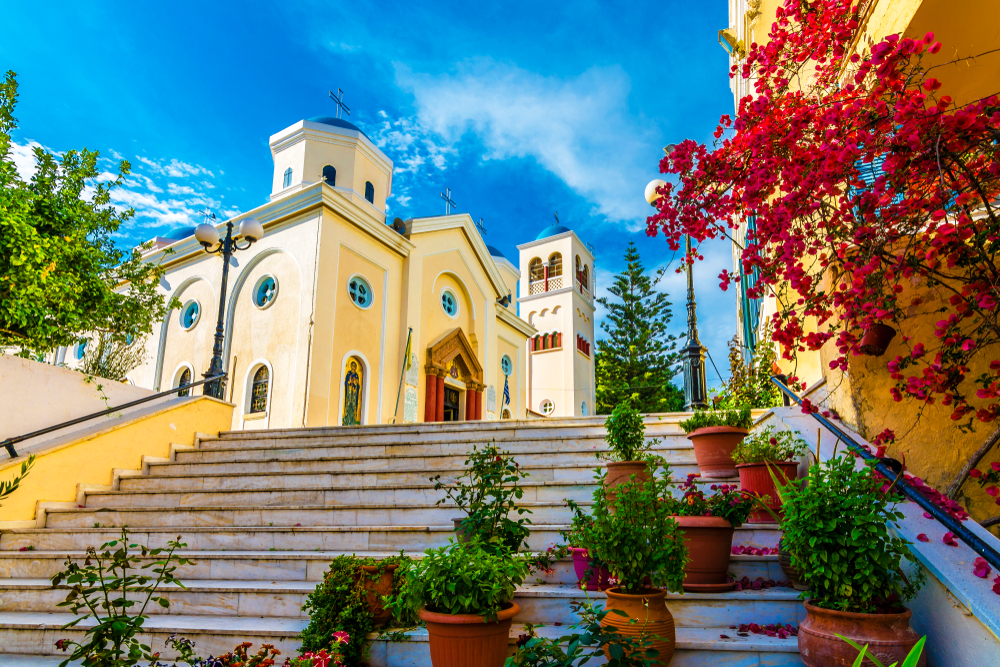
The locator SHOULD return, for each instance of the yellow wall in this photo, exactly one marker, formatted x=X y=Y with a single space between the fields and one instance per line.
x=91 y=460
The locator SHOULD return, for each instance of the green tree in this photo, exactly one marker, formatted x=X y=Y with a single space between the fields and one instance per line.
x=61 y=276
x=637 y=360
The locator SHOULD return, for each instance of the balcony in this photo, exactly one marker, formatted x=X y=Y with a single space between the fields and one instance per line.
x=543 y=285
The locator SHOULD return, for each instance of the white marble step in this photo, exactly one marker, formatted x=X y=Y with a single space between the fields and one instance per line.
x=303 y=538
x=35 y=634
x=539 y=603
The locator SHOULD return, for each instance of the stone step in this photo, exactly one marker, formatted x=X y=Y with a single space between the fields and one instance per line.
x=539 y=603
x=303 y=538
x=302 y=566
x=35 y=634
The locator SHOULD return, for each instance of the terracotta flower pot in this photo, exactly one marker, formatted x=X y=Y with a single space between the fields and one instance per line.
x=375 y=589
x=709 y=543
x=652 y=617
x=889 y=637
x=876 y=340
x=713 y=447
x=463 y=640
x=620 y=472
x=756 y=478
x=600 y=578
x=791 y=572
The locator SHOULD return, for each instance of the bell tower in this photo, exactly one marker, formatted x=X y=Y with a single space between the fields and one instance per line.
x=557 y=298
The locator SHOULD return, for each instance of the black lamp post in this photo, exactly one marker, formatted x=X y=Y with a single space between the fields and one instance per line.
x=693 y=353
x=208 y=236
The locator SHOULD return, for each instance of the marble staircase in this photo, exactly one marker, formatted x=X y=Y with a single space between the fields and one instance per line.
x=263 y=512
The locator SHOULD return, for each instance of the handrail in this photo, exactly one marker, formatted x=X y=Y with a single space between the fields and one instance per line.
x=10 y=442
x=891 y=469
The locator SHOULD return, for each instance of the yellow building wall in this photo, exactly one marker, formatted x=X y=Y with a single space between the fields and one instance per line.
x=92 y=459
x=192 y=347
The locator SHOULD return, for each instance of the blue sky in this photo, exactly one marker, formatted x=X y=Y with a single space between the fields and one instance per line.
x=521 y=108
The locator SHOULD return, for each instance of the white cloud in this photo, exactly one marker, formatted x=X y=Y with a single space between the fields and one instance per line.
x=24 y=158
x=175 y=168
x=175 y=189
x=577 y=128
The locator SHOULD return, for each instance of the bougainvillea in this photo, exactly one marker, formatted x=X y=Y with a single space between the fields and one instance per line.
x=873 y=197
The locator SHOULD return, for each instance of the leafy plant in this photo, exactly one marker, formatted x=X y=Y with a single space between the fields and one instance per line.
x=750 y=379
x=241 y=657
x=460 y=578
x=912 y=658
x=737 y=418
x=112 y=357
x=636 y=536
x=768 y=445
x=108 y=588
x=836 y=529
x=728 y=502
x=339 y=608
x=588 y=642
x=7 y=488
x=625 y=434
x=487 y=492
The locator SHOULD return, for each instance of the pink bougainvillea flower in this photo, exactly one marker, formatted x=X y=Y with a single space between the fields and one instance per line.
x=981 y=568
x=922 y=537
x=949 y=539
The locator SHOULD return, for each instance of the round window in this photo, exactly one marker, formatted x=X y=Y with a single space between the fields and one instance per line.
x=449 y=302
x=546 y=407
x=190 y=314
x=360 y=291
x=264 y=293
x=80 y=349
x=506 y=365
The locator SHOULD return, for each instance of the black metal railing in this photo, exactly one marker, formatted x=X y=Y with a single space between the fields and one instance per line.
x=10 y=442
x=892 y=469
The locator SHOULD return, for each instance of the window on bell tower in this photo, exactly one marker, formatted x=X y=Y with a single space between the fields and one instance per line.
x=369 y=192
x=329 y=175
x=287 y=181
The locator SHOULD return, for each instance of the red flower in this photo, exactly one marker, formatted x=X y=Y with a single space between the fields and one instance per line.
x=981 y=568
x=949 y=539
x=923 y=538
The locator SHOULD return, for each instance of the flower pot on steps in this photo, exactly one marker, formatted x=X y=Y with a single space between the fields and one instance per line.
x=889 y=637
x=791 y=572
x=600 y=577
x=465 y=640
x=713 y=448
x=756 y=478
x=620 y=472
x=876 y=340
x=645 y=613
x=375 y=589
x=709 y=543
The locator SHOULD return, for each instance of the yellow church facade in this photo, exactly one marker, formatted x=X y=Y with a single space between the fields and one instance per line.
x=336 y=317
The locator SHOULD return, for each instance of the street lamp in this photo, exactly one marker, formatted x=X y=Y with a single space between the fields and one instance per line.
x=693 y=354
x=208 y=236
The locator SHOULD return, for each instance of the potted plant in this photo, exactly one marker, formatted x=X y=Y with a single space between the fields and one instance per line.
x=349 y=602
x=591 y=574
x=464 y=593
x=488 y=492
x=707 y=524
x=876 y=339
x=714 y=435
x=836 y=528
x=636 y=536
x=757 y=456
x=628 y=451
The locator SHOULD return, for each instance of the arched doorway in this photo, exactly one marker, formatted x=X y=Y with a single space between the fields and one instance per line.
x=452 y=357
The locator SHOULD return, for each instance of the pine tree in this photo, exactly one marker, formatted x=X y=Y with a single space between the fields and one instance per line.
x=638 y=358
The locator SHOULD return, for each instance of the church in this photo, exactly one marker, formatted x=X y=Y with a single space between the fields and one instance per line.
x=339 y=316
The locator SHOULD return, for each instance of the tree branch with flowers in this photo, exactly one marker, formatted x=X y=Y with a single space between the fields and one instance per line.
x=874 y=199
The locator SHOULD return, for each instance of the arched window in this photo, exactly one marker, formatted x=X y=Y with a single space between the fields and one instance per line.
x=329 y=175
x=585 y=278
x=535 y=270
x=583 y=408
x=258 y=391
x=555 y=264
x=579 y=267
x=354 y=383
x=505 y=414
x=369 y=192
x=183 y=381
x=287 y=182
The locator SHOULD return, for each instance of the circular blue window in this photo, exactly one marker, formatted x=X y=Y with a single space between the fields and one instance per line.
x=360 y=291
x=190 y=314
x=506 y=365
x=267 y=289
x=80 y=349
x=449 y=303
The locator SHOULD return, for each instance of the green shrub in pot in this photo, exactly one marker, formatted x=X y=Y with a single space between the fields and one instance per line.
x=735 y=417
x=770 y=445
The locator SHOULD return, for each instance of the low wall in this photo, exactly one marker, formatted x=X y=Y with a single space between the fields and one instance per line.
x=91 y=457
x=34 y=395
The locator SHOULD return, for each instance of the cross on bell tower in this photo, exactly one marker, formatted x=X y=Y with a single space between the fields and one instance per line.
x=448 y=203
x=482 y=228
x=339 y=101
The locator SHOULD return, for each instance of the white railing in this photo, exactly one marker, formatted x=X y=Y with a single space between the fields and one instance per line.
x=539 y=286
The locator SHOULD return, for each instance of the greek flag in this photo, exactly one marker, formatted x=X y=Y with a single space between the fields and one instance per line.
x=506 y=390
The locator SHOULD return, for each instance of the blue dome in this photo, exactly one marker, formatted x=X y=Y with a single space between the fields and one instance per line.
x=337 y=122
x=178 y=233
x=552 y=230
x=494 y=252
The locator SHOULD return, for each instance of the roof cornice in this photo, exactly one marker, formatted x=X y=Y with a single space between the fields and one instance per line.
x=515 y=322
x=464 y=222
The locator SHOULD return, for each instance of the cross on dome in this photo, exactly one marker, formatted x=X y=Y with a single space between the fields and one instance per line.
x=339 y=101
x=448 y=203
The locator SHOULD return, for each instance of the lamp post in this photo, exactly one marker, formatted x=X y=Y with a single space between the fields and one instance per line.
x=693 y=353
x=208 y=236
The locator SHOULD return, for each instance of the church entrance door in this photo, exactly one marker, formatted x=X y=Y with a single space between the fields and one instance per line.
x=450 y=404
